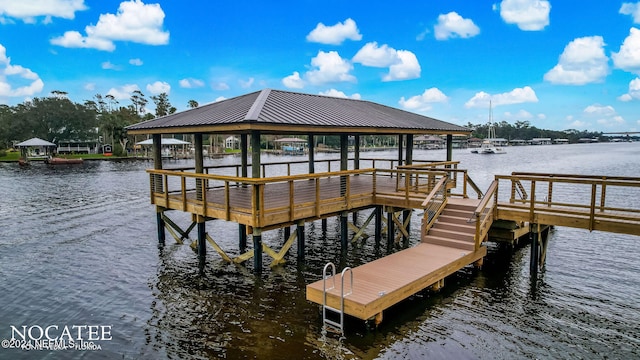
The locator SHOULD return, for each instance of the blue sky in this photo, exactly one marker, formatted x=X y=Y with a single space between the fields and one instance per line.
x=557 y=64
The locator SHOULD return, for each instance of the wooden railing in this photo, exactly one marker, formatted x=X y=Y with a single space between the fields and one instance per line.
x=483 y=215
x=288 y=198
x=434 y=203
x=459 y=181
x=591 y=202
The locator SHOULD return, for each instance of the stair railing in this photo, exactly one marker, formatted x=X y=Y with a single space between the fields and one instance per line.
x=484 y=215
x=433 y=204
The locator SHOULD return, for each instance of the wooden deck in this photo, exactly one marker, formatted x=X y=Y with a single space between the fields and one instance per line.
x=271 y=204
x=449 y=246
x=385 y=282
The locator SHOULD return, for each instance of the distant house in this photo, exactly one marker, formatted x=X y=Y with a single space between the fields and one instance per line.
x=541 y=141
x=232 y=142
x=517 y=142
x=428 y=142
x=561 y=141
x=77 y=147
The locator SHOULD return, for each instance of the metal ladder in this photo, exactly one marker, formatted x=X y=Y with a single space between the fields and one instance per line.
x=328 y=324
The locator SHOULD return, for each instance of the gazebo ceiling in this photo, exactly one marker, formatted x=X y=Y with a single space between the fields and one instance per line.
x=285 y=112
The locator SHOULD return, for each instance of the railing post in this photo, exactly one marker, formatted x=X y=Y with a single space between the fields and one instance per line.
x=532 y=205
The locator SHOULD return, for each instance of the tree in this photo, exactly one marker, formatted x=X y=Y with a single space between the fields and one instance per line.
x=139 y=102
x=163 y=106
x=193 y=104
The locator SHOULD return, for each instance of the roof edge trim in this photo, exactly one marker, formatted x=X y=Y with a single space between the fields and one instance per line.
x=256 y=108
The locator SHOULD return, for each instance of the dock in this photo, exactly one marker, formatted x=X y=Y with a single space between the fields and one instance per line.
x=457 y=216
x=385 y=282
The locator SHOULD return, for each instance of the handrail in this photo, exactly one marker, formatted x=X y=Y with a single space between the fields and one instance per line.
x=431 y=207
x=483 y=218
x=592 y=202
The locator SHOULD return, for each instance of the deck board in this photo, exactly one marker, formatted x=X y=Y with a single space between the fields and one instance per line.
x=382 y=283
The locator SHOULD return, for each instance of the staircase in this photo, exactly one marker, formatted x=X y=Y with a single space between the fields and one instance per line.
x=452 y=228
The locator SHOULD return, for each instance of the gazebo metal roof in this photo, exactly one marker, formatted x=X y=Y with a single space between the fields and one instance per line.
x=35 y=142
x=277 y=111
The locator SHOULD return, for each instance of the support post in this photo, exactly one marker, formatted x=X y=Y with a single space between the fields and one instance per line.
x=157 y=185
x=199 y=159
x=300 y=233
x=257 y=250
x=160 y=225
x=344 y=232
x=534 y=258
x=390 y=228
x=242 y=237
x=409 y=150
x=378 y=225
x=287 y=233
x=202 y=238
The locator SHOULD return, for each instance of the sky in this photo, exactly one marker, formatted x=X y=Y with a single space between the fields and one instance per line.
x=556 y=64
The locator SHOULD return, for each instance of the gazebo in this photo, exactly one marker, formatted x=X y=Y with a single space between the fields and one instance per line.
x=35 y=148
x=276 y=112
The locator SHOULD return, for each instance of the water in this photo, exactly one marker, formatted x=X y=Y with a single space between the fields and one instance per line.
x=78 y=247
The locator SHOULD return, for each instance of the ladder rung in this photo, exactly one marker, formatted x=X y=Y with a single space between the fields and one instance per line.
x=327 y=307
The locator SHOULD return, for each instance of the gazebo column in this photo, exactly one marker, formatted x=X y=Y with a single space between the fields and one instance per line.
x=200 y=189
x=312 y=160
x=344 y=165
x=157 y=185
x=244 y=154
x=255 y=173
x=449 y=147
x=400 y=140
x=356 y=165
x=406 y=214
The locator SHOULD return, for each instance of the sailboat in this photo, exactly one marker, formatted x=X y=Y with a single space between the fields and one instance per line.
x=488 y=146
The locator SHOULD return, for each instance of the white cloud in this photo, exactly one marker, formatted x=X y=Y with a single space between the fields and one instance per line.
x=520 y=115
x=631 y=9
x=190 y=83
x=221 y=85
x=628 y=58
x=329 y=67
x=15 y=80
x=136 y=62
x=159 y=87
x=90 y=86
x=373 y=55
x=107 y=65
x=634 y=91
x=220 y=98
x=403 y=64
x=583 y=61
x=529 y=15
x=245 y=84
x=28 y=11
x=603 y=115
x=407 y=68
x=340 y=94
x=293 y=81
x=423 y=102
x=123 y=92
x=516 y=96
x=336 y=34
x=135 y=21
x=453 y=25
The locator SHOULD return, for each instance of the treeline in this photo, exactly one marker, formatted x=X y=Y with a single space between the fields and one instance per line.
x=522 y=130
x=57 y=119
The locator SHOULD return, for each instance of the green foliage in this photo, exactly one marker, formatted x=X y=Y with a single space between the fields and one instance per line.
x=523 y=130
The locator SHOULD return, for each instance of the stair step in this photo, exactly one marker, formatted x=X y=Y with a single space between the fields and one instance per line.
x=454 y=219
x=461 y=207
x=450 y=234
x=459 y=244
x=457 y=213
x=452 y=226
